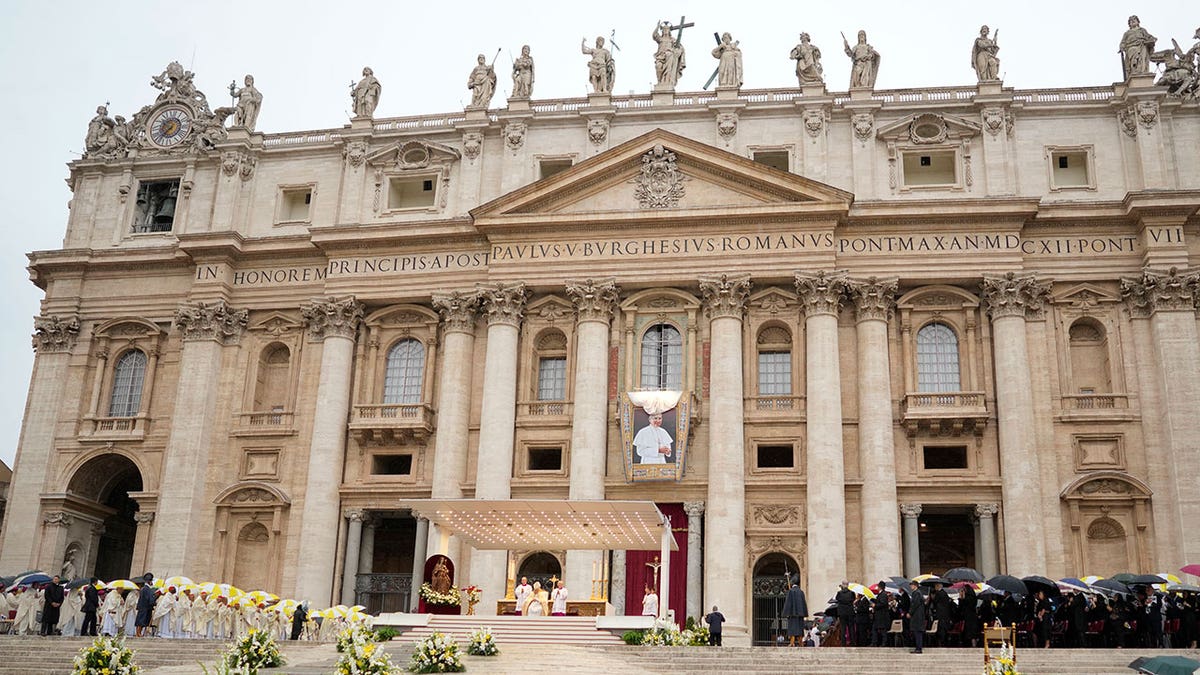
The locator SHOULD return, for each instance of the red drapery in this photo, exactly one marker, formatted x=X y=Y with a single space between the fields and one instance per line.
x=638 y=575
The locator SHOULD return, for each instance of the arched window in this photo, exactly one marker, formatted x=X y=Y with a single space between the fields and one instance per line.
x=405 y=371
x=774 y=362
x=937 y=359
x=270 y=389
x=1089 y=358
x=126 y=399
x=552 y=366
x=662 y=358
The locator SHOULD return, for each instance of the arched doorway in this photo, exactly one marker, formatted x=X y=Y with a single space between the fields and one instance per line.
x=540 y=566
x=769 y=589
x=108 y=481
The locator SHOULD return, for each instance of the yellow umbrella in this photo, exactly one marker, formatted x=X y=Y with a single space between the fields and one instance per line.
x=121 y=584
x=284 y=605
x=259 y=597
x=1089 y=580
x=231 y=591
x=177 y=581
x=923 y=577
x=857 y=588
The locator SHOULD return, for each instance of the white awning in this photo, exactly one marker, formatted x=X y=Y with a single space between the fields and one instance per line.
x=550 y=524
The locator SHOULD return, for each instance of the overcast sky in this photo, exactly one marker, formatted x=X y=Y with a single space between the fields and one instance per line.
x=60 y=59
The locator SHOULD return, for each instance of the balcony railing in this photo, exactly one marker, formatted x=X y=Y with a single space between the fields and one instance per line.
x=392 y=422
x=946 y=399
x=945 y=412
x=782 y=404
x=384 y=592
x=108 y=428
x=264 y=423
x=1095 y=401
x=544 y=408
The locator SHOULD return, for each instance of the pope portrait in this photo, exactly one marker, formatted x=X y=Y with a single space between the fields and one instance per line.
x=653 y=442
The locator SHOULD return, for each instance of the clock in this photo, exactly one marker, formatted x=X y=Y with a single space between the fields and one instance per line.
x=169 y=126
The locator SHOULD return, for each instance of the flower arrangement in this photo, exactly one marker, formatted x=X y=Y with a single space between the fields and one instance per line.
x=472 y=594
x=666 y=634
x=105 y=656
x=483 y=643
x=451 y=597
x=436 y=654
x=1002 y=663
x=361 y=655
x=257 y=649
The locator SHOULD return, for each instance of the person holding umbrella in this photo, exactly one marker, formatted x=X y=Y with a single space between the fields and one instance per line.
x=881 y=621
x=943 y=612
x=91 y=603
x=968 y=606
x=916 y=616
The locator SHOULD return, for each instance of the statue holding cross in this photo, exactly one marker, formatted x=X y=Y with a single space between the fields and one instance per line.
x=669 y=60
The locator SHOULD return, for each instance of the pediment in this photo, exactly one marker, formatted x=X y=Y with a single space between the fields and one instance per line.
x=276 y=324
x=662 y=173
x=1085 y=296
x=550 y=309
x=408 y=155
x=928 y=129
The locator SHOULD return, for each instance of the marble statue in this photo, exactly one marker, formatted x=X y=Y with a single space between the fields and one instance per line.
x=602 y=70
x=482 y=83
x=669 y=59
x=249 y=102
x=1181 y=73
x=365 y=94
x=99 y=136
x=865 y=62
x=1135 y=48
x=522 y=74
x=729 y=67
x=983 y=56
x=808 y=62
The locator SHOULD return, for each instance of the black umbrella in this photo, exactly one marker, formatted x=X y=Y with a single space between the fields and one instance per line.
x=1008 y=583
x=963 y=574
x=78 y=583
x=935 y=580
x=1047 y=586
x=1165 y=665
x=902 y=582
x=1112 y=585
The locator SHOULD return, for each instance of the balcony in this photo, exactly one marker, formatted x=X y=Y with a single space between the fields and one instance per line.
x=544 y=413
x=105 y=429
x=775 y=406
x=944 y=413
x=392 y=423
x=264 y=423
x=1095 y=408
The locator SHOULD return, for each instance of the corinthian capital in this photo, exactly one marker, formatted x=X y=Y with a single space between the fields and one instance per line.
x=594 y=300
x=693 y=509
x=54 y=333
x=457 y=310
x=910 y=510
x=211 y=321
x=873 y=298
x=332 y=317
x=821 y=293
x=503 y=303
x=986 y=510
x=1015 y=295
x=725 y=296
x=1160 y=292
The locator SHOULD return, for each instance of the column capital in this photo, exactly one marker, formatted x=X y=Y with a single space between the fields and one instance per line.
x=354 y=514
x=58 y=519
x=332 y=317
x=693 y=509
x=986 y=510
x=53 y=333
x=144 y=517
x=874 y=299
x=503 y=303
x=458 y=310
x=594 y=300
x=1168 y=291
x=910 y=510
x=211 y=321
x=821 y=292
x=1019 y=295
x=725 y=295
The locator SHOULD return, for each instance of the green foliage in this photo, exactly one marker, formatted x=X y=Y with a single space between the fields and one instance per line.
x=386 y=633
x=634 y=637
x=105 y=656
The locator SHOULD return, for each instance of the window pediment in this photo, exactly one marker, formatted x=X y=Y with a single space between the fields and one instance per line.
x=413 y=155
x=928 y=129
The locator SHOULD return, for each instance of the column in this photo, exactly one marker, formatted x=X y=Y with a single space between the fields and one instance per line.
x=874 y=302
x=366 y=553
x=1009 y=299
x=912 y=542
x=354 y=519
x=695 y=583
x=616 y=594
x=333 y=321
x=821 y=296
x=594 y=304
x=53 y=338
x=725 y=580
x=503 y=305
x=1170 y=300
x=420 y=555
x=989 y=565
x=141 y=542
x=185 y=504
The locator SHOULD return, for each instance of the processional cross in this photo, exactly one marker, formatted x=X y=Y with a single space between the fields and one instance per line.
x=654 y=565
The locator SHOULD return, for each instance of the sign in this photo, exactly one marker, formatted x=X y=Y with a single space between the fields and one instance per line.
x=654 y=434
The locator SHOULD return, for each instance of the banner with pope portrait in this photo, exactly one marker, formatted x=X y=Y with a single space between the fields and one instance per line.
x=654 y=434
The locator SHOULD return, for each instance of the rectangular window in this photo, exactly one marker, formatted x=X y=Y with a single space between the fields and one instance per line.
x=776 y=457
x=776 y=159
x=545 y=459
x=930 y=167
x=294 y=205
x=552 y=378
x=1070 y=168
x=940 y=457
x=155 y=207
x=391 y=465
x=549 y=167
x=411 y=193
x=774 y=373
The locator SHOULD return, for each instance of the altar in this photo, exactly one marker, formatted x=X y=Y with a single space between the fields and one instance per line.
x=574 y=608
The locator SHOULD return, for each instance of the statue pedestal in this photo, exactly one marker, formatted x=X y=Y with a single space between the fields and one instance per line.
x=727 y=93
x=860 y=93
x=518 y=104
x=365 y=123
x=1140 y=81
x=476 y=114
x=813 y=90
x=990 y=87
x=600 y=100
x=663 y=95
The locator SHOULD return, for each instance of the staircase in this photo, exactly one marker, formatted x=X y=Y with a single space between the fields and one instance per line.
x=510 y=630
x=32 y=655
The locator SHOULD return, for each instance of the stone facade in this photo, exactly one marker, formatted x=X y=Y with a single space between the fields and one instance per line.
x=975 y=305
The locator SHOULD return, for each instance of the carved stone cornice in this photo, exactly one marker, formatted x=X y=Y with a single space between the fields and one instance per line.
x=58 y=519
x=821 y=292
x=332 y=317
x=458 y=310
x=211 y=321
x=693 y=509
x=503 y=303
x=910 y=510
x=874 y=299
x=725 y=296
x=144 y=517
x=52 y=334
x=1015 y=295
x=986 y=510
x=1160 y=292
x=594 y=300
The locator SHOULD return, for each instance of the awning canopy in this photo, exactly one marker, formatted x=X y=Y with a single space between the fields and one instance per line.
x=554 y=524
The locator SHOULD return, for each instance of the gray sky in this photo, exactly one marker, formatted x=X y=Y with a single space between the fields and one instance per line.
x=60 y=59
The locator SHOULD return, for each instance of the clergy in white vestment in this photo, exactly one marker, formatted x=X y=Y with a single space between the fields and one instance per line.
x=8 y=602
x=521 y=593
x=650 y=603
x=26 y=622
x=110 y=613
x=535 y=604
x=69 y=618
x=558 y=600
x=183 y=610
x=128 y=612
x=164 y=613
x=652 y=442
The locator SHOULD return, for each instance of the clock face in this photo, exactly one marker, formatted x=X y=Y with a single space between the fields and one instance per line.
x=170 y=126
